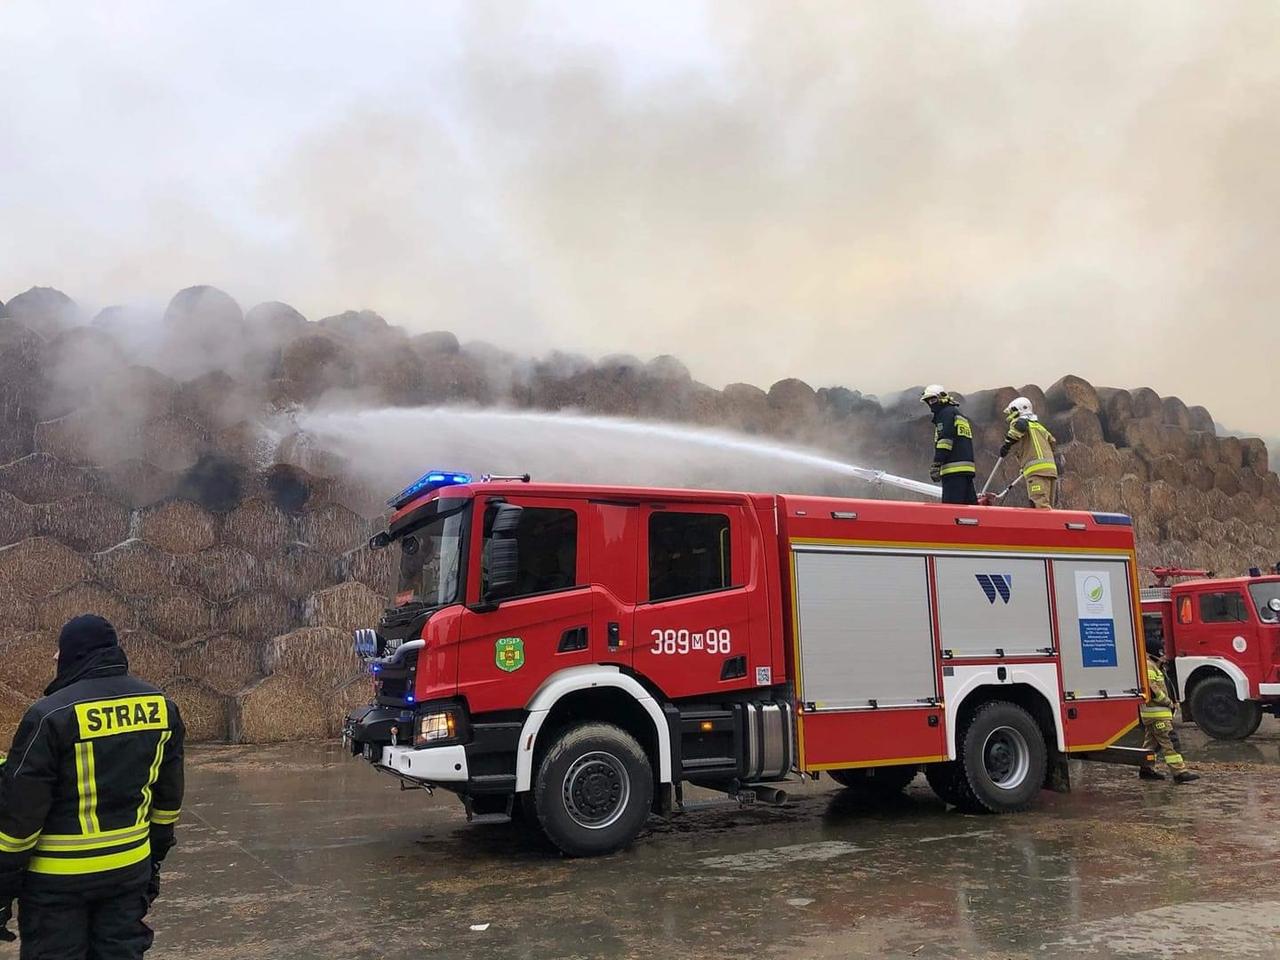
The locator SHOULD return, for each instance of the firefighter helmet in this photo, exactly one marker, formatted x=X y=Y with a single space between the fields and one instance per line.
x=934 y=393
x=1019 y=407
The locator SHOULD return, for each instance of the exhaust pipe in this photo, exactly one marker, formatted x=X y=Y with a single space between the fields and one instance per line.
x=762 y=793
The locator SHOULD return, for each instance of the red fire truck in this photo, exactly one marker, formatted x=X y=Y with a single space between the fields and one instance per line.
x=1222 y=644
x=573 y=655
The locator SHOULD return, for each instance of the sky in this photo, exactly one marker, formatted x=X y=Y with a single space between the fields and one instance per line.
x=857 y=193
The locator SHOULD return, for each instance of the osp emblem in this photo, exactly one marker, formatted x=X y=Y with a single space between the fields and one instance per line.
x=996 y=584
x=508 y=654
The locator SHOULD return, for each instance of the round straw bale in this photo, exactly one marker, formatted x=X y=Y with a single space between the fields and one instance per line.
x=1102 y=494
x=297 y=571
x=215 y=482
x=434 y=341
x=316 y=363
x=87 y=521
x=218 y=573
x=17 y=519
x=1116 y=409
x=333 y=529
x=1175 y=413
x=358 y=497
x=242 y=443
x=1163 y=499
x=13 y=706
x=44 y=310
x=346 y=698
x=1079 y=459
x=204 y=712
x=1131 y=462
x=26 y=660
x=1199 y=475
x=981 y=406
x=1254 y=451
x=1192 y=503
x=1201 y=419
x=1177 y=441
x=1215 y=503
x=1271 y=487
x=322 y=656
x=1146 y=403
x=204 y=329
x=77 y=363
x=257 y=526
x=135 y=394
x=17 y=612
x=1250 y=482
x=177 y=616
x=1107 y=464
x=346 y=606
x=82 y=598
x=173 y=443
x=150 y=658
x=287 y=486
x=137 y=483
x=1134 y=495
x=1167 y=468
x=40 y=478
x=1181 y=527
x=1077 y=423
x=1144 y=436
x=77 y=438
x=225 y=663
x=38 y=567
x=22 y=354
x=1226 y=479
x=276 y=710
x=376 y=569
x=17 y=423
x=1231 y=452
x=1072 y=391
x=135 y=569
x=794 y=399
x=1204 y=446
x=257 y=614
x=178 y=526
x=216 y=400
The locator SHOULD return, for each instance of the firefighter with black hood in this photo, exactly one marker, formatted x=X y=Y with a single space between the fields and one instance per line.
x=1156 y=716
x=89 y=795
x=953 y=465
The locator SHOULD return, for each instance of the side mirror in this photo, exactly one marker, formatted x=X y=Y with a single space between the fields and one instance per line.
x=379 y=540
x=1274 y=604
x=502 y=553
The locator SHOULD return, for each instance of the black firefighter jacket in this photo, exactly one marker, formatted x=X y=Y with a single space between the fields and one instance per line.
x=92 y=788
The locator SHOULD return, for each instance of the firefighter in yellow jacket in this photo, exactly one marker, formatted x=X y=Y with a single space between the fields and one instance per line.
x=1157 y=720
x=89 y=796
x=1033 y=444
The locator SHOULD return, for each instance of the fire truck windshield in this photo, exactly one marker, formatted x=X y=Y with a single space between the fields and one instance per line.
x=431 y=554
x=1263 y=593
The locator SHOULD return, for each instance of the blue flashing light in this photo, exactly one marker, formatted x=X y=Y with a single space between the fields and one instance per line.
x=1112 y=519
x=432 y=480
x=408 y=698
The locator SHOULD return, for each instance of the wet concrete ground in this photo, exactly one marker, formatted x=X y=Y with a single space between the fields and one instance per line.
x=300 y=853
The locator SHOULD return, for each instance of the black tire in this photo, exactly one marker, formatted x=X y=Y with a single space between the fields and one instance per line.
x=1003 y=757
x=1219 y=714
x=593 y=790
x=947 y=780
x=875 y=783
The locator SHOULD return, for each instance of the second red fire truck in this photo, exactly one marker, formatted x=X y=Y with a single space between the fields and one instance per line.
x=573 y=655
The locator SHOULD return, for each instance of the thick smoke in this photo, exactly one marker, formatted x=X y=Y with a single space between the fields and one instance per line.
x=878 y=194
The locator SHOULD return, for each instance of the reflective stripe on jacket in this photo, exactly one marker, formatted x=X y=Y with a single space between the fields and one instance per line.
x=93 y=784
x=1159 y=705
x=1033 y=445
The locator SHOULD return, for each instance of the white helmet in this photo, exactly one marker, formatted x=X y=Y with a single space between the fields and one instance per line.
x=1019 y=407
x=934 y=391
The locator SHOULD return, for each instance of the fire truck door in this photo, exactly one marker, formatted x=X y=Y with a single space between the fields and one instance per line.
x=543 y=625
x=692 y=623
x=1224 y=628
x=615 y=575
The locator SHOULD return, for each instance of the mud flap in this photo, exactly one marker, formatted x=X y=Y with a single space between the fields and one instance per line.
x=1057 y=774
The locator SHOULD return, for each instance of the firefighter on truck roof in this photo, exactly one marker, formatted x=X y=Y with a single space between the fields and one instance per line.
x=953 y=465
x=1157 y=720
x=1033 y=444
x=89 y=796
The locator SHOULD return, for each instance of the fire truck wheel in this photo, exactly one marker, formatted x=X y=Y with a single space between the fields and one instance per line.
x=875 y=782
x=1004 y=757
x=948 y=781
x=593 y=790
x=1219 y=714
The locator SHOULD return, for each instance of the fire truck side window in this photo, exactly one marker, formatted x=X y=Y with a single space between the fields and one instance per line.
x=548 y=543
x=1225 y=607
x=688 y=554
x=1153 y=627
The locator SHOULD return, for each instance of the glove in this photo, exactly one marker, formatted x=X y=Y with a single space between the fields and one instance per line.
x=935 y=472
x=6 y=912
x=1004 y=450
x=153 y=885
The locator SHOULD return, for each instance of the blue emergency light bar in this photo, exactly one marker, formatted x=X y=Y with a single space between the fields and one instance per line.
x=433 y=480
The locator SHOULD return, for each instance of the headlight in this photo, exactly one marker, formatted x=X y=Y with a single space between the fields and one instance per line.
x=434 y=727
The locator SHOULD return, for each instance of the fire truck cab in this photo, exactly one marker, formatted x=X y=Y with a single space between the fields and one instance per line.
x=1222 y=646
x=573 y=655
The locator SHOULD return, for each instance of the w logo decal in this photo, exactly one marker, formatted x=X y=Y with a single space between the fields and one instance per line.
x=994 y=584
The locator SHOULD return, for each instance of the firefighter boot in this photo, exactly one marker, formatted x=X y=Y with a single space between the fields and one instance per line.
x=1186 y=776
x=1149 y=773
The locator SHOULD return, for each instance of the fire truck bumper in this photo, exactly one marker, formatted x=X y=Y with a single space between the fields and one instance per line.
x=429 y=764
